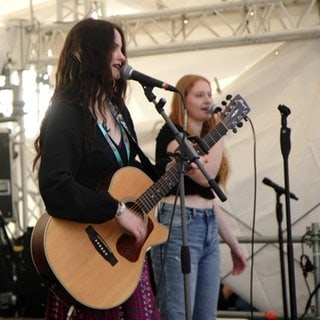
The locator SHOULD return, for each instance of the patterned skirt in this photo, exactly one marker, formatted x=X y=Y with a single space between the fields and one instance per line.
x=140 y=306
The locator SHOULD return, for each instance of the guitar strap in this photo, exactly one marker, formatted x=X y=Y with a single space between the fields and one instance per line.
x=146 y=163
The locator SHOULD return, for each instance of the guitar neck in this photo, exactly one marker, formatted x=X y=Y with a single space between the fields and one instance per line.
x=161 y=187
x=212 y=137
x=158 y=190
x=215 y=134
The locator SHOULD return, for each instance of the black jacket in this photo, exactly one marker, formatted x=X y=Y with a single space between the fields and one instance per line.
x=69 y=175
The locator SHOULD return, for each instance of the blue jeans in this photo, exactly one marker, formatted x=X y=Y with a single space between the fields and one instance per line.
x=204 y=279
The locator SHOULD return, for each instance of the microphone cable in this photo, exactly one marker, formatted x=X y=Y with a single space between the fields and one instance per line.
x=254 y=212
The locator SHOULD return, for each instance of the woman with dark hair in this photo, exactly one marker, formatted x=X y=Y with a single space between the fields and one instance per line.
x=86 y=135
x=204 y=217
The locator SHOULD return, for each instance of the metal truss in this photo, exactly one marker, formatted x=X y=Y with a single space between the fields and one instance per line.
x=71 y=10
x=27 y=205
x=236 y=23
x=229 y=24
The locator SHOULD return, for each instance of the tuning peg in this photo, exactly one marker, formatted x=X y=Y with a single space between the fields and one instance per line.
x=240 y=124
x=228 y=97
x=234 y=130
x=224 y=103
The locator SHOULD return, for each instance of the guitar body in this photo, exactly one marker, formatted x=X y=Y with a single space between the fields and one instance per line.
x=63 y=251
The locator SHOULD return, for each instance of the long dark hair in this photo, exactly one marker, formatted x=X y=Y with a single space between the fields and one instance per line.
x=84 y=77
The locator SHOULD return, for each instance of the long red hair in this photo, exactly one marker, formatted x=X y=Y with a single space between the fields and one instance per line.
x=184 y=86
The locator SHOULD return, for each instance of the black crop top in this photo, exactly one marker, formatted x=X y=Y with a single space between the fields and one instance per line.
x=164 y=137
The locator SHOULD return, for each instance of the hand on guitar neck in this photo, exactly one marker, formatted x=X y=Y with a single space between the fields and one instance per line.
x=133 y=224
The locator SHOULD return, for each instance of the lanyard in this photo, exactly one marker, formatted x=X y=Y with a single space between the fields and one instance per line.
x=124 y=136
x=128 y=135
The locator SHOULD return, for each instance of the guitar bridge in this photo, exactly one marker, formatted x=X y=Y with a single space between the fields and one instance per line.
x=101 y=246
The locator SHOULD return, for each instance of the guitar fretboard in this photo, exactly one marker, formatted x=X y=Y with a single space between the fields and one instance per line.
x=231 y=117
x=153 y=195
x=171 y=177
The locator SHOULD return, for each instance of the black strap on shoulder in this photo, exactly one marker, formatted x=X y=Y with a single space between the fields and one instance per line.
x=146 y=163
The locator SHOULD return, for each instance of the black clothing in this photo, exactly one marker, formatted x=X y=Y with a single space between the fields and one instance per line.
x=164 y=137
x=70 y=174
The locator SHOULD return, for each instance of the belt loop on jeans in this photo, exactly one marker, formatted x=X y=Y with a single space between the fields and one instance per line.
x=193 y=212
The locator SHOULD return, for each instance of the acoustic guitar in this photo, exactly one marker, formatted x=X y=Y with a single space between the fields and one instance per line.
x=97 y=265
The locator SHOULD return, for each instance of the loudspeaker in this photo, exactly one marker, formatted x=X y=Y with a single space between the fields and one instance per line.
x=6 y=194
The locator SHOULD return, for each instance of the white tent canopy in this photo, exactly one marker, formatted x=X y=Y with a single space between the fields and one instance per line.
x=266 y=76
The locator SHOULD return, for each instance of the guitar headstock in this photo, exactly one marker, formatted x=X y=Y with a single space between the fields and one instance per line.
x=236 y=110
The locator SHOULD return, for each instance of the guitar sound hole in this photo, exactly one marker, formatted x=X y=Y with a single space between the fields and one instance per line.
x=127 y=247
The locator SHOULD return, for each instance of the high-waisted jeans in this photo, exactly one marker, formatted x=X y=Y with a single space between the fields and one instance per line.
x=204 y=278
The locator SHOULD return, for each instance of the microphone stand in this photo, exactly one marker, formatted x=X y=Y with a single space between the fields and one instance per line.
x=285 y=149
x=279 y=191
x=188 y=153
x=280 y=235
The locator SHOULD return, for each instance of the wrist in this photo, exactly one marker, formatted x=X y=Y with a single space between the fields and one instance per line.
x=235 y=248
x=121 y=209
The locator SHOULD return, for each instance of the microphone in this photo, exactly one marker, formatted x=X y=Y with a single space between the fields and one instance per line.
x=277 y=188
x=127 y=73
x=214 y=109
